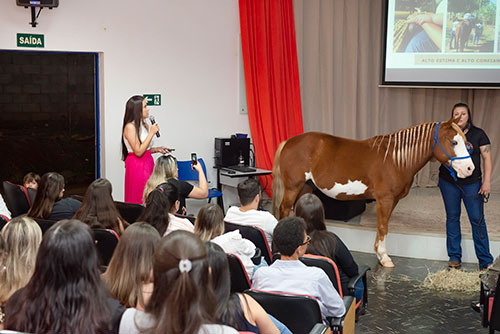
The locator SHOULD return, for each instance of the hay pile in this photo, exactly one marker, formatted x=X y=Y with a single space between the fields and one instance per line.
x=453 y=280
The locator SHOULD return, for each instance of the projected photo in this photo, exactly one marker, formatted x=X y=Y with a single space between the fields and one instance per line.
x=418 y=25
x=470 y=26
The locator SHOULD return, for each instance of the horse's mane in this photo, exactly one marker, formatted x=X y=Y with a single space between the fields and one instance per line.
x=408 y=145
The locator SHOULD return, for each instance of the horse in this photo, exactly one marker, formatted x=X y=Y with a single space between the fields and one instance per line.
x=380 y=168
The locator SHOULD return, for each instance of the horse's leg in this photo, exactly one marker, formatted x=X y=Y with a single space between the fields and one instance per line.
x=385 y=206
x=291 y=193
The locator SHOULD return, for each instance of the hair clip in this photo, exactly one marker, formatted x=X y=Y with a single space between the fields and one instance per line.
x=185 y=265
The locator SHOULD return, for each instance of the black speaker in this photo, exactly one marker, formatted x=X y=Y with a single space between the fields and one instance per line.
x=229 y=150
x=38 y=3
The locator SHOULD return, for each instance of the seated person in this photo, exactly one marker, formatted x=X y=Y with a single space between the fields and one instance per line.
x=31 y=181
x=98 y=209
x=249 y=193
x=326 y=243
x=289 y=275
x=209 y=226
x=165 y=170
x=175 y=223
x=49 y=203
x=5 y=214
x=157 y=210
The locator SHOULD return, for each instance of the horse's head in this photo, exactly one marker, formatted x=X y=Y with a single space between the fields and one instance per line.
x=450 y=149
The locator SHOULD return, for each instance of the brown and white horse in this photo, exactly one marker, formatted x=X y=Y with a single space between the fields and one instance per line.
x=380 y=168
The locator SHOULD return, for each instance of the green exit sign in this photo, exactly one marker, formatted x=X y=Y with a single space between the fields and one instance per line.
x=30 y=40
x=153 y=99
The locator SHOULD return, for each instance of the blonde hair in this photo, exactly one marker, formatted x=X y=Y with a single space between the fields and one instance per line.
x=165 y=168
x=132 y=263
x=209 y=223
x=22 y=237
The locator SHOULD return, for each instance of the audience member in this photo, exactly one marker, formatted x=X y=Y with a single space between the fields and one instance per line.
x=5 y=214
x=175 y=222
x=65 y=293
x=49 y=203
x=289 y=275
x=209 y=226
x=183 y=301
x=156 y=211
x=130 y=268
x=238 y=310
x=21 y=238
x=326 y=243
x=165 y=170
x=249 y=192
x=98 y=209
x=31 y=181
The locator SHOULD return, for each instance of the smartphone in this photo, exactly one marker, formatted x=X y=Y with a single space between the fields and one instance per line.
x=194 y=159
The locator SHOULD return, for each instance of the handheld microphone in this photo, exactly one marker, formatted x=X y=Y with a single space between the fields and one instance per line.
x=153 y=121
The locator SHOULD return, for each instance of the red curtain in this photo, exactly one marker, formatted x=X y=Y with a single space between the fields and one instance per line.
x=271 y=77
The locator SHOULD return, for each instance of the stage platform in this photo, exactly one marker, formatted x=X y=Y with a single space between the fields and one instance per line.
x=417 y=228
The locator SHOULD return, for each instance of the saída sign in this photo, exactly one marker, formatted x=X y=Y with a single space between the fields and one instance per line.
x=30 y=41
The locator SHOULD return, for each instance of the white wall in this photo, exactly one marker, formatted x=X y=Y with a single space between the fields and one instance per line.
x=185 y=50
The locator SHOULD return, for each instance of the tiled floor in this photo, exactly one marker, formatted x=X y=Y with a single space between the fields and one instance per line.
x=397 y=303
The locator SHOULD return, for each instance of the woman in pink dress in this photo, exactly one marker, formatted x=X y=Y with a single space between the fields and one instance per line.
x=137 y=142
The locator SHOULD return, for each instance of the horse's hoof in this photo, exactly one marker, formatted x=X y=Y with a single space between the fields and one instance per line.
x=387 y=264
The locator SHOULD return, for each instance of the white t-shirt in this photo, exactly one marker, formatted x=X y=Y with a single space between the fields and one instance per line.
x=177 y=223
x=143 y=134
x=233 y=242
x=133 y=318
x=262 y=219
x=3 y=208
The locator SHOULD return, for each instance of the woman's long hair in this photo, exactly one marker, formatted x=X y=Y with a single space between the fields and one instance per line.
x=49 y=191
x=165 y=168
x=98 y=209
x=133 y=114
x=156 y=210
x=65 y=293
x=228 y=309
x=132 y=263
x=310 y=207
x=22 y=237
x=182 y=301
x=209 y=222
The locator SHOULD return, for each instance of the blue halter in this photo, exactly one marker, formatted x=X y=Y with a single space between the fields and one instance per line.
x=450 y=169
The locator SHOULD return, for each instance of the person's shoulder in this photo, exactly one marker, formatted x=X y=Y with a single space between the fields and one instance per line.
x=216 y=329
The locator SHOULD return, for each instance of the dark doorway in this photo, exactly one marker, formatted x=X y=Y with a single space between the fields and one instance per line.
x=49 y=116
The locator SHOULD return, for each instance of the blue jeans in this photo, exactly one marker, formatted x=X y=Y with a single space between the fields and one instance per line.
x=453 y=194
x=358 y=290
x=421 y=42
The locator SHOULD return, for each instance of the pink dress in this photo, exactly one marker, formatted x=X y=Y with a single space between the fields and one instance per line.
x=137 y=170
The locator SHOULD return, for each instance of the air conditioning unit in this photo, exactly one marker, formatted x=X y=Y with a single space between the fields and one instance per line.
x=38 y=3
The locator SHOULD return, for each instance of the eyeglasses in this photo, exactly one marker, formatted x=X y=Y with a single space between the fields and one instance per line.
x=308 y=240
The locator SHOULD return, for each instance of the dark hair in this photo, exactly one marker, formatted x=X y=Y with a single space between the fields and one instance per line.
x=310 y=207
x=98 y=209
x=65 y=293
x=156 y=210
x=247 y=190
x=30 y=177
x=133 y=114
x=288 y=235
x=209 y=222
x=465 y=105
x=228 y=309
x=181 y=301
x=132 y=263
x=49 y=190
x=171 y=192
x=323 y=243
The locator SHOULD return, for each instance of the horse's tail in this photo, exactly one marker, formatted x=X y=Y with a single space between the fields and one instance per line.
x=278 y=187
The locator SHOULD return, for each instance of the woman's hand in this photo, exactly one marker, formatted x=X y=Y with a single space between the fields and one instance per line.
x=154 y=128
x=485 y=188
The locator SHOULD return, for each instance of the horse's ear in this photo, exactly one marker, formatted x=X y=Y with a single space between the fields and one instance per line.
x=452 y=120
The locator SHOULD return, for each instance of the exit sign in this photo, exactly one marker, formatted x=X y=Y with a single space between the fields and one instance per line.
x=153 y=99
x=30 y=40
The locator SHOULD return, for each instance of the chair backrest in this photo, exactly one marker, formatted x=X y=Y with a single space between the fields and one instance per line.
x=45 y=224
x=17 y=198
x=254 y=234
x=328 y=266
x=297 y=312
x=239 y=277
x=106 y=242
x=495 y=310
x=186 y=173
x=129 y=211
